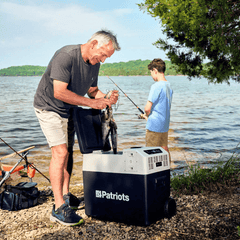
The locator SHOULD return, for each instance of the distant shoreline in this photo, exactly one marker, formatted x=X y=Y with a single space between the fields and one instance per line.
x=130 y=68
x=177 y=75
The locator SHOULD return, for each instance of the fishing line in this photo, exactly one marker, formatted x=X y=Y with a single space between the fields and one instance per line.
x=126 y=95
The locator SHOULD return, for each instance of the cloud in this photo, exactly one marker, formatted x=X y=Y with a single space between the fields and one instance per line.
x=31 y=31
x=68 y=19
x=122 y=12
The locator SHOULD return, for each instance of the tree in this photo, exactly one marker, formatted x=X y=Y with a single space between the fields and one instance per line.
x=202 y=30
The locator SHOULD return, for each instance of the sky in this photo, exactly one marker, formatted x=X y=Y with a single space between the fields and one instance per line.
x=31 y=30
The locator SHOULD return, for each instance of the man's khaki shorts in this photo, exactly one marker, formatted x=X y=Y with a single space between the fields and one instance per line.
x=156 y=139
x=54 y=127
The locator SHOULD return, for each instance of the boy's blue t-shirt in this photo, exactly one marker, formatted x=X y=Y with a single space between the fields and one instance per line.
x=161 y=96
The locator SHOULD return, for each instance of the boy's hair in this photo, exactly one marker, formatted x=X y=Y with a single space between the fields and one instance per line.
x=157 y=63
x=103 y=37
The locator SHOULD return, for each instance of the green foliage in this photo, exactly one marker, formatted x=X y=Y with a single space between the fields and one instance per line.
x=137 y=67
x=200 y=29
x=131 y=68
x=26 y=70
x=197 y=179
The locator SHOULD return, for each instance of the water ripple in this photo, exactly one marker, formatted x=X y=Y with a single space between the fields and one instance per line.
x=205 y=117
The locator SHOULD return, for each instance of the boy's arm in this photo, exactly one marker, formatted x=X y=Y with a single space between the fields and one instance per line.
x=148 y=107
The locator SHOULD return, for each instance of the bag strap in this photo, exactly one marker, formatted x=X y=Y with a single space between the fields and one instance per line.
x=24 y=185
x=21 y=186
x=22 y=191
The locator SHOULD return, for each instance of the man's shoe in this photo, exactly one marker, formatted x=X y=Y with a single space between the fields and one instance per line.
x=66 y=216
x=71 y=200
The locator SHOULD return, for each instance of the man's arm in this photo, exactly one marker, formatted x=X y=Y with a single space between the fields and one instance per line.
x=94 y=92
x=63 y=94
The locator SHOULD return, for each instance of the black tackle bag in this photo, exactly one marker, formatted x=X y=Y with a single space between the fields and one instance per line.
x=23 y=195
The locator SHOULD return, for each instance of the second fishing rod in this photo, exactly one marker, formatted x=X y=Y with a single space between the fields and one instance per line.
x=126 y=95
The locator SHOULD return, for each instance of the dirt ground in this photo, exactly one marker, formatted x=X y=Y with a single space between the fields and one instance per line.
x=213 y=214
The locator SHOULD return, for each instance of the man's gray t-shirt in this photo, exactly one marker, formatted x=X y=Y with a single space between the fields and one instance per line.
x=67 y=65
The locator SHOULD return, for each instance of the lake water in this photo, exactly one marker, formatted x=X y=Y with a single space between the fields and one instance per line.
x=205 y=117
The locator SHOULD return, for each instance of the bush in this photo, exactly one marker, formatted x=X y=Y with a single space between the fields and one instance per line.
x=198 y=179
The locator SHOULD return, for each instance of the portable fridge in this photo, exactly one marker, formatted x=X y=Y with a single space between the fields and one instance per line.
x=132 y=186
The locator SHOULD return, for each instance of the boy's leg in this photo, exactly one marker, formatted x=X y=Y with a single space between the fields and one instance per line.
x=156 y=139
x=166 y=148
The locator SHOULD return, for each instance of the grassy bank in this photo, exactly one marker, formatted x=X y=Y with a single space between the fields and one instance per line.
x=198 y=179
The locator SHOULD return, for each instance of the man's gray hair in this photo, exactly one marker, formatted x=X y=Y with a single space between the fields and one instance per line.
x=103 y=37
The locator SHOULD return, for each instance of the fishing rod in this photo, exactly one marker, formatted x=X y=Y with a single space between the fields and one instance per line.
x=126 y=95
x=7 y=174
x=31 y=165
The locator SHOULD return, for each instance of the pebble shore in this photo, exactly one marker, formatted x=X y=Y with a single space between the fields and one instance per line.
x=210 y=215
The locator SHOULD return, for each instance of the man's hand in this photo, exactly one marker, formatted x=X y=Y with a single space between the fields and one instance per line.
x=100 y=103
x=63 y=94
x=114 y=97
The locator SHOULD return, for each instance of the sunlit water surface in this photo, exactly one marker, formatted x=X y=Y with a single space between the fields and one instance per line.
x=205 y=117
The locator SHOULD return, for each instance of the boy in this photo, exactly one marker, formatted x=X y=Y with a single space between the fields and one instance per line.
x=158 y=107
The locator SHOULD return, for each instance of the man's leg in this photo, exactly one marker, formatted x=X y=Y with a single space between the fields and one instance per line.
x=60 y=177
x=55 y=129
x=70 y=161
x=58 y=173
x=69 y=198
x=70 y=134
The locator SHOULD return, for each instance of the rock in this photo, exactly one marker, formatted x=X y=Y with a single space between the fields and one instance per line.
x=209 y=215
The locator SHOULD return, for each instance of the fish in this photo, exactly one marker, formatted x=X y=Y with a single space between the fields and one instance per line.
x=113 y=130
x=109 y=126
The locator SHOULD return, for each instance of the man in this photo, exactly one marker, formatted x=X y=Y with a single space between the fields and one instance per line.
x=71 y=73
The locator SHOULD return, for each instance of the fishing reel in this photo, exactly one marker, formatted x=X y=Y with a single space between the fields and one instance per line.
x=142 y=116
